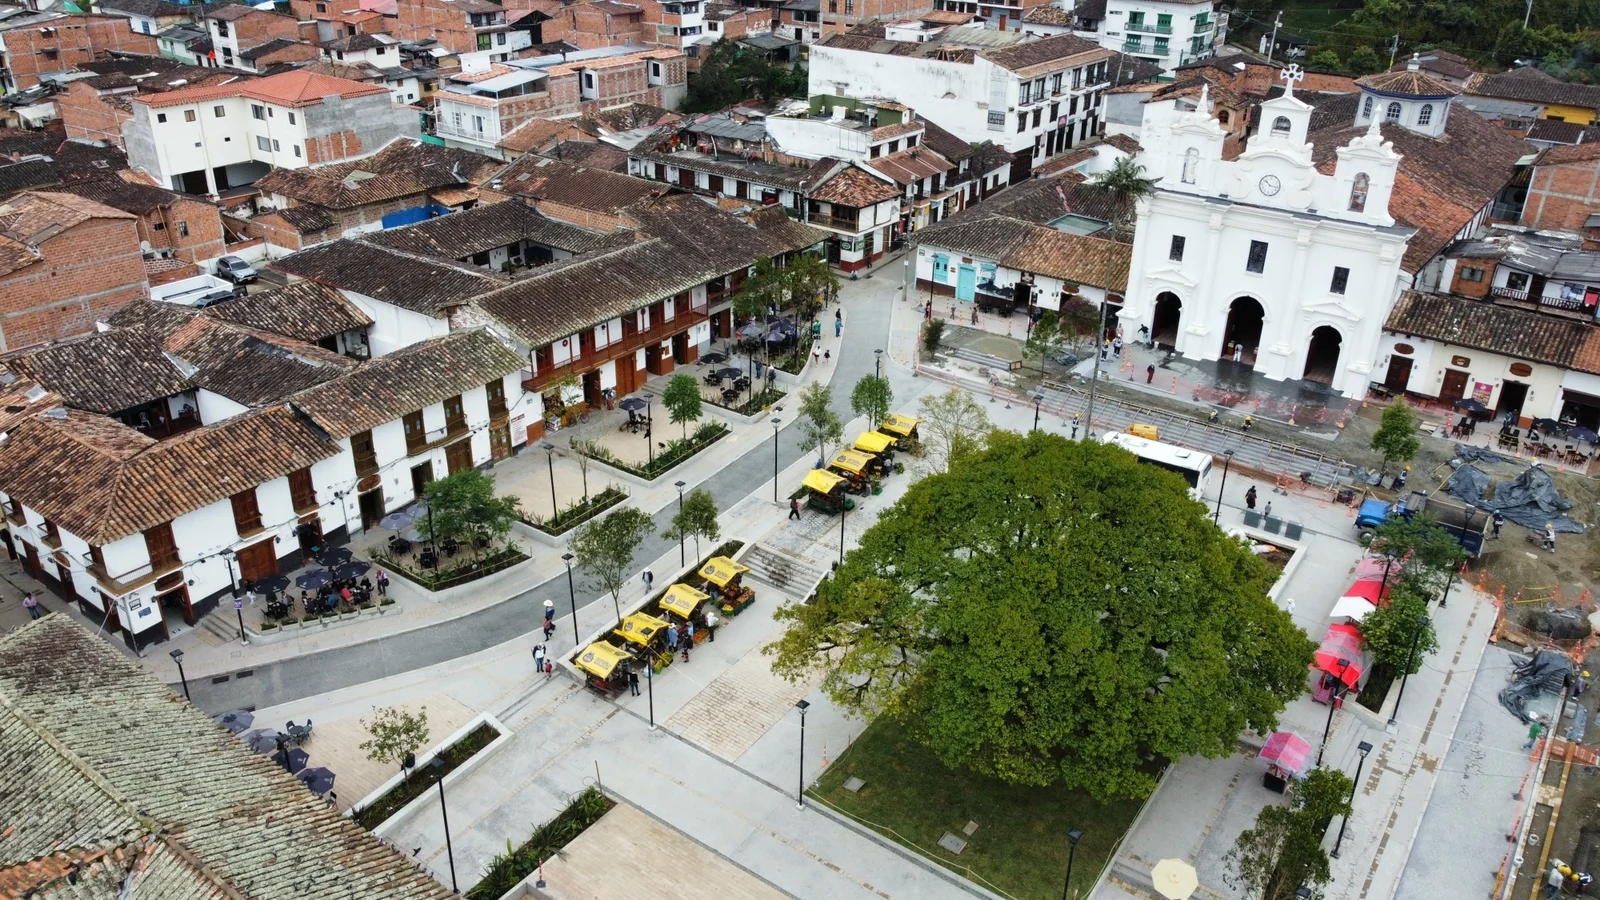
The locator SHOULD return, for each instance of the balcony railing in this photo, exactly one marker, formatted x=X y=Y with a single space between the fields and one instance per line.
x=851 y=224
x=1147 y=28
x=655 y=334
x=1508 y=293
x=1133 y=46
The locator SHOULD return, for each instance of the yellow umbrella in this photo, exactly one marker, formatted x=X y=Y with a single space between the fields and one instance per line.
x=821 y=480
x=682 y=599
x=719 y=570
x=1175 y=879
x=850 y=461
x=898 y=425
x=874 y=442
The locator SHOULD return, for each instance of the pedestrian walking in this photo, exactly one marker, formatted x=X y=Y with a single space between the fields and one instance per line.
x=31 y=604
x=1250 y=498
x=549 y=629
x=383 y=584
x=1498 y=520
x=1105 y=351
x=538 y=658
x=688 y=631
x=683 y=640
x=794 y=507
x=1267 y=512
x=827 y=357
x=1074 y=426
x=711 y=625
x=672 y=640
x=1238 y=353
x=974 y=316
x=1535 y=729
x=649 y=578
x=927 y=310
x=1550 y=536
x=1555 y=882
x=838 y=327
x=1149 y=374
x=838 y=315
x=816 y=354
x=952 y=309
x=633 y=682
x=1116 y=348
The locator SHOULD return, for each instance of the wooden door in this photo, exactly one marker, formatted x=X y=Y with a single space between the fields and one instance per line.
x=371 y=508
x=421 y=476
x=499 y=442
x=33 y=566
x=1399 y=373
x=1454 y=386
x=257 y=561
x=458 y=456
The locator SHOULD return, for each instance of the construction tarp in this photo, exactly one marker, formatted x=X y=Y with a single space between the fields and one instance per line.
x=1548 y=670
x=1530 y=500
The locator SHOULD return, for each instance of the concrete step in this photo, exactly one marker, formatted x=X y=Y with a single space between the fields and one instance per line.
x=782 y=571
x=982 y=359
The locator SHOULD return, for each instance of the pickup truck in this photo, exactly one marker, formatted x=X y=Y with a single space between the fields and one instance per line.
x=1463 y=522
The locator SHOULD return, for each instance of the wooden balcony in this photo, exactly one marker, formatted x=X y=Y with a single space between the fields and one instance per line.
x=594 y=359
x=1507 y=293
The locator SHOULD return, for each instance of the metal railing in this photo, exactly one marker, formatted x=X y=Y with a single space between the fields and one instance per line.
x=1508 y=293
x=1147 y=28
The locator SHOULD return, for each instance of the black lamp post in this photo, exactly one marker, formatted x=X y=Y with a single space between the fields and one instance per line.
x=681 y=560
x=449 y=852
x=1333 y=701
x=800 y=792
x=844 y=507
x=550 y=463
x=877 y=363
x=572 y=595
x=1037 y=399
x=1363 y=748
x=650 y=686
x=228 y=556
x=775 y=422
x=1227 y=460
x=1422 y=622
x=649 y=431
x=177 y=657
x=1073 y=837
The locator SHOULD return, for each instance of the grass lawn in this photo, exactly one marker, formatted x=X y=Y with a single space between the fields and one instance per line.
x=1020 y=847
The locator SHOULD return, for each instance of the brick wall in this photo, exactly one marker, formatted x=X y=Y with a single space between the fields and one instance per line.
x=591 y=28
x=422 y=19
x=1474 y=289
x=332 y=147
x=86 y=273
x=165 y=228
x=1560 y=197
x=87 y=115
x=261 y=26
x=289 y=53
x=70 y=41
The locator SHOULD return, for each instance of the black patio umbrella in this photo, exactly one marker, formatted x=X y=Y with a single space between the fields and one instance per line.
x=293 y=759
x=352 y=570
x=236 y=721
x=271 y=584
x=1470 y=405
x=729 y=372
x=776 y=335
x=319 y=780
x=262 y=740
x=1549 y=426
x=632 y=404
x=333 y=556
x=751 y=330
x=398 y=520
x=713 y=358
x=1580 y=433
x=314 y=579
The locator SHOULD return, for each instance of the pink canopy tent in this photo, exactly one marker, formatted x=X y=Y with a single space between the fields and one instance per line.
x=1368 y=589
x=1288 y=751
x=1342 y=642
x=1371 y=567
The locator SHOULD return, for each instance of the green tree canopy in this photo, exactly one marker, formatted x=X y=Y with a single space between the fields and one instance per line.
x=682 y=399
x=604 y=548
x=730 y=73
x=953 y=425
x=1396 y=437
x=1284 y=849
x=1420 y=551
x=697 y=519
x=1364 y=61
x=872 y=398
x=819 y=424
x=1026 y=619
x=1326 y=61
x=464 y=507
x=394 y=734
x=1387 y=632
x=1045 y=338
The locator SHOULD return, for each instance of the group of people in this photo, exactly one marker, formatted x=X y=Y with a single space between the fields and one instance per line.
x=342 y=591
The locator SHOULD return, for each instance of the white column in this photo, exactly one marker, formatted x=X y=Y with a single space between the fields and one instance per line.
x=1282 y=353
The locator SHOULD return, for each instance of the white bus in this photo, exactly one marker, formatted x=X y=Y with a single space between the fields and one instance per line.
x=1193 y=465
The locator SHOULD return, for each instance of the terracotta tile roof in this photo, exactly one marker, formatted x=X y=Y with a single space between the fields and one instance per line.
x=989 y=236
x=1050 y=15
x=1587 y=357
x=537 y=134
x=482 y=228
x=1557 y=132
x=1577 y=153
x=102 y=480
x=1443 y=62
x=296 y=88
x=307 y=218
x=910 y=166
x=401 y=169
x=541 y=178
x=854 y=187
x=252 y=368
x=1064 y=162
x=946 y=17
x=34 y=217
x=1024 y=57
x=990 y=156
x=107 y=371
x=1442 y=182
x=944 y=143
x=894 y=131
x=155 y=799
x=1089 y=9
x=1530 y=85
x=235 y=12
x=1127 y=143
x=118 y=194
x=1072 y=257
x=1406 y=83
x=1517 y=333
x=590 y=154
x=305 y=311
x=628 y=118
x=410 y=282
x=418 y=375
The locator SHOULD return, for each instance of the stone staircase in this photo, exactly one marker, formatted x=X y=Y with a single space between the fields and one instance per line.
x=783 y=571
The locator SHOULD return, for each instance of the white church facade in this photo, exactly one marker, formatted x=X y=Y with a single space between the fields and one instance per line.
x=1265 y=259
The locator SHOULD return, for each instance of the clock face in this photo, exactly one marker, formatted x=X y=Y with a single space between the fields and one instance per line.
x=1270 y=185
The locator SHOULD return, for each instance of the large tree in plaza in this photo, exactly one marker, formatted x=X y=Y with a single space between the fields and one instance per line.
x=1052 y=611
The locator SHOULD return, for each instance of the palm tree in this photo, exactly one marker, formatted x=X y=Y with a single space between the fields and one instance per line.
x=1125 y=186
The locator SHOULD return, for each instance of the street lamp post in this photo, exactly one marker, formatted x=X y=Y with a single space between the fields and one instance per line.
x=649 y=429
x=550 y=463
x=905 y=276
x=1227 y=459
x=844 y=507
x=449 y=852
x=177 y=657
x=775 y=422
x=1363 y=748
x=572 y=595
x=1037 y=399
x=800 y=792
x=1333 y=702
x=650 y=686
x=228 y=555
x=1422 y=622
x=681 y=560
x=877 y=363
x=1073 y=837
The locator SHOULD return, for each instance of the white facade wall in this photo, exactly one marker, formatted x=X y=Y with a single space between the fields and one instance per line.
x=393 y=327
x=1179 y=34
x=1487 y=373
x=208 y=141
x=213 y=408
x=474 y=125
x=818 y=138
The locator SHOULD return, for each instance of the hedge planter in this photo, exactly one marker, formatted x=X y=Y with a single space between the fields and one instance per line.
x=578 y=513
x=468 y=570
x=677 y=452
x=375 y=811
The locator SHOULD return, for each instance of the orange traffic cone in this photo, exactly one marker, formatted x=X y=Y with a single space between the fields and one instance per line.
x=824 y=756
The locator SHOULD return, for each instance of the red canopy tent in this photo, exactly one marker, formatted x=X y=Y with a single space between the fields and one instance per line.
x=1342 y=642
x=1288 y=751
x=1368 y=589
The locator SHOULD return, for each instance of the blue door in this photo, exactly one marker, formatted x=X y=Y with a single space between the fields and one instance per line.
x=966 y=283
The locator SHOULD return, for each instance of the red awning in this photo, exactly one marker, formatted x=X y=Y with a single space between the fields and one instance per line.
x=1342 y=643
x=1368 y=589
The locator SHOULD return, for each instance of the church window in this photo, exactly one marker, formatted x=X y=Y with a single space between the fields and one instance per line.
x=1366 y=108
x=1280 y=125
x=1392 y=114
x=1425 y=115
x=1191 y=162
x=1358 y=192
x=1257 y=261
x=1175 y=252
x=1341 y=278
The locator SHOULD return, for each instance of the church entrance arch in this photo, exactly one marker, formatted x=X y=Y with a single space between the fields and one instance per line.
x=1243 y=331
x=1322 y=356
x=1164 y=324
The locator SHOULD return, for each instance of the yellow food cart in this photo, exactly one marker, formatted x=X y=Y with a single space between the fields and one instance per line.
x=902 y=428
x=826 y=491
x=603 y=663
x=880 y=447
x=855 y=467
x=642 y=629
x=725 y=578
x=682 y=600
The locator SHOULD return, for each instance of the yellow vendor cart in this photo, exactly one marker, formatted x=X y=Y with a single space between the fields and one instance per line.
x=825 y=491
x=880 y=447
x=604 y=664
x=681 y=600
x=725 y=580
x=642 y=630
x=855 y=467
x=902 y=428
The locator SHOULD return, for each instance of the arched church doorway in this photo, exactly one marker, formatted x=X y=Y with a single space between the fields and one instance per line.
x=1322 y=356
x=1164 y=325
x=1242 y=336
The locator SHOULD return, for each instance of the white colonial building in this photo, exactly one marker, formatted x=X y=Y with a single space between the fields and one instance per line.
x=1293 y=266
